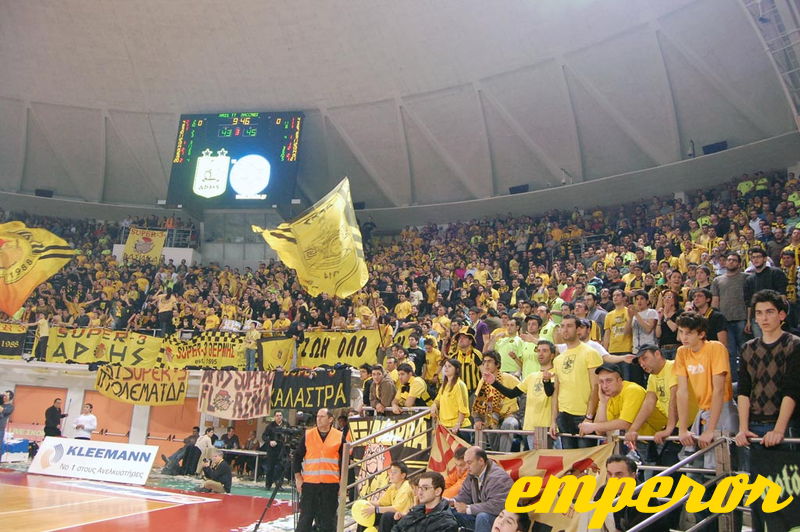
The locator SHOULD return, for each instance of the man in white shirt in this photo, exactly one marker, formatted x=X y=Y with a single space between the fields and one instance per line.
x=85 y=423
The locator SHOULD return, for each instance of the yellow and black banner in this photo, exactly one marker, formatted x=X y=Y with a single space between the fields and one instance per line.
x=213 y=349
x=28 y=257
x=144 y=245
x=345 y=347
x=323 y=245
x=140 y=386
x=276 y=353
x=402 y=337
x=312 y=389
x=90 y=345
x=12 y=340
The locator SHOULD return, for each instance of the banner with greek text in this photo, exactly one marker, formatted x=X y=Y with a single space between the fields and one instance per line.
x=276 y=353
x=311 y=389
x=91 y=345
x=235 y=394
x=213 y=349
x=144 y=245
x=12 y=340
x=140 y=386
x=783 y=468
x=345 y=347
x=94 y=460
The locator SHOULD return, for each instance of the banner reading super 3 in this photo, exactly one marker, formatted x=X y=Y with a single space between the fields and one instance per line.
x=140 y=386
x=87 y=345
x=144 y=245
x=354 y=348
x=28 y=257
x=211 y=349
x=12 y=340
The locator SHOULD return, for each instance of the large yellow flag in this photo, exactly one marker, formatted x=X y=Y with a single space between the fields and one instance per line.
x=323 y=245
x=144 y=245
x=28 y=257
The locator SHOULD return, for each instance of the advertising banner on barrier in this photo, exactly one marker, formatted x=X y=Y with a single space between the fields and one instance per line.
x=783 y=468
x=12 y=340
x=361 y=428
x=235 y=394
x=144 y=245
x=211 y=349
x=304 y=388
x=140 y=386
x=276 y=353
x=26 y=431
x=345 y=347
x=94 y=460
x=89 y=345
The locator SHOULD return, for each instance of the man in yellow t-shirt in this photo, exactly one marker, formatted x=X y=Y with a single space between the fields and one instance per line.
x=703 y=368
x=402 y=309
x=618 y=335
x=575 y=394
x=398 y=497
x=411 y=390
x=619 y=405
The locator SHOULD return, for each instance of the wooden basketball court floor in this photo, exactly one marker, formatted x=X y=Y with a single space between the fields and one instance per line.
x=34 y=503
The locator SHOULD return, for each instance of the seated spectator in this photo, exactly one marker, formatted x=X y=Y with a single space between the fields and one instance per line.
x=483 y=494
x=455 y=479
x=396 y=500
x=432 y=514
x=217 y=473
x=173 y=461
x=511 y=522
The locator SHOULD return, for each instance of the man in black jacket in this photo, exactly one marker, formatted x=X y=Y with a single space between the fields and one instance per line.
x=217 y=473
x=52 y=419
x=432 y=514
x=762 y=277
x=273 y=444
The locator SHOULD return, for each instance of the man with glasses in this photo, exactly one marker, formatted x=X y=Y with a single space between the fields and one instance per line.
x=432 y=514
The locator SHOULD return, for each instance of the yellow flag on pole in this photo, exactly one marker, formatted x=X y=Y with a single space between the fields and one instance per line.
x=144 y=245
x=323 y=245
x=28 y=257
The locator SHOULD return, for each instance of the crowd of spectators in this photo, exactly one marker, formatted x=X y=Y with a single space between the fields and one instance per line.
x=637 y=318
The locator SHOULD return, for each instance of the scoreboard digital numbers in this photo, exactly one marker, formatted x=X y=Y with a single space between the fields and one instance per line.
x=228 y=160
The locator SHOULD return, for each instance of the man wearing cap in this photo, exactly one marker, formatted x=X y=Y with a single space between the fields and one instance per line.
x=470 y=358
x=662 y=387
x=619 y=404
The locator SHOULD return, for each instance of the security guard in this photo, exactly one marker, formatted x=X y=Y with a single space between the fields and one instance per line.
x=317 y=461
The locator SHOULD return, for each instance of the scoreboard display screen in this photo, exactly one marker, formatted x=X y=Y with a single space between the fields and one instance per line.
x=229 y=160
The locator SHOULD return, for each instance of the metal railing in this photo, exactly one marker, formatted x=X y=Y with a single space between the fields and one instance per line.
x=348 y=464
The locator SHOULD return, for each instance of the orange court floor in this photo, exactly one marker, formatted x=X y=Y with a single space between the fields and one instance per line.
x=34 y=503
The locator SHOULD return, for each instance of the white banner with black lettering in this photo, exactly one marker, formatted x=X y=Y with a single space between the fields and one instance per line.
x=94 y=460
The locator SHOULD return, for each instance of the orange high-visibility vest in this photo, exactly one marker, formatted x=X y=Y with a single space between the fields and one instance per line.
x=321 y=462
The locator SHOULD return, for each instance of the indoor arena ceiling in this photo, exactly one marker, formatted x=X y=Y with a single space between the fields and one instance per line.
x=417 y=101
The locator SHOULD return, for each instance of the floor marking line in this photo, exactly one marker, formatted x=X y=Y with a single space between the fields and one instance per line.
x=41 y=508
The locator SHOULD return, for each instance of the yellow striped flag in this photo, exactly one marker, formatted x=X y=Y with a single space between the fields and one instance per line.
x=28 y=257
x=323 y=245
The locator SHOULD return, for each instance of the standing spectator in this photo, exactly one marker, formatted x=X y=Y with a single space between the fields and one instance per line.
x=85 y=423
x=469 y=357
x=643 y=329
x=667 y=325
x=481 y=328
x=594 y=312
x=764 y=277
x=491 y=410
x=717 y=325
x=483 y=494
x=451 y=405
x=575 y=394
x=703 y=368
x=165 y=302
x=618 y=338
x=42 y=335
x=727 y=292
x=52 y=419
x=416 y=354
x=769 y=377
x=382 y=391
x=411 y=390
x=251 y=338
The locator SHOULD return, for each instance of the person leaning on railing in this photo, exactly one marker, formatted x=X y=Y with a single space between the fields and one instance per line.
x=451 y=405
